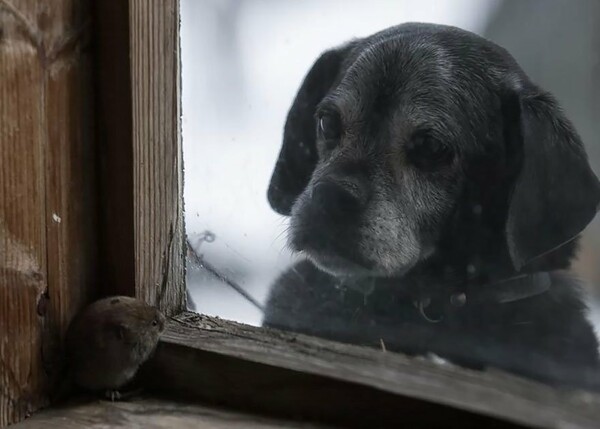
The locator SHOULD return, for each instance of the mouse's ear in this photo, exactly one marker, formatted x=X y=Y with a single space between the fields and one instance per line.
x=298 y=155
x=556 y=193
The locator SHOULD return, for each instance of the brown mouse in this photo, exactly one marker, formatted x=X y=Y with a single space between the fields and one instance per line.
x=108 y=341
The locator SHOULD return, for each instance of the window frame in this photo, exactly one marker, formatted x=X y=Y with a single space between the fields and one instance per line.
x=140 y=242
x=229 y=363
x=138 y=113
x=285 y=373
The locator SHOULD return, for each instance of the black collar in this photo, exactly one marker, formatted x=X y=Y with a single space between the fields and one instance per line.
x=502 y=291
x=457 y=294
x=513 y=288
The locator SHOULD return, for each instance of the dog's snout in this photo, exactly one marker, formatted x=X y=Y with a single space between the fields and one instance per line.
x=336 y=199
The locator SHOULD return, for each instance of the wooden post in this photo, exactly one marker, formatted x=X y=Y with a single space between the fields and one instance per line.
x=49 y=207
x=47 y=189
x=141 y=160
x=158 y=172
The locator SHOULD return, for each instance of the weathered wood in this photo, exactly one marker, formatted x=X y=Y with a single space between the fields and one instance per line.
x=150 y=413
x=157 y=153
x=142 y=174
x=47 y=222
x=287 y=373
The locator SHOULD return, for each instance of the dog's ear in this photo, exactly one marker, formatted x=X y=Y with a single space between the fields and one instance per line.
x=298 y=155
x=556 y=193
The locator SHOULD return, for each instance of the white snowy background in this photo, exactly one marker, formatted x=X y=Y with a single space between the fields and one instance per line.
x=242 y=64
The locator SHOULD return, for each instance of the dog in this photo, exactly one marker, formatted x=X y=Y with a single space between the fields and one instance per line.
x=437 y=194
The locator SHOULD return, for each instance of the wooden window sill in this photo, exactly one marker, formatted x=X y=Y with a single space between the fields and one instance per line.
x=293 y=375
x=302 y=381
x=149 y=413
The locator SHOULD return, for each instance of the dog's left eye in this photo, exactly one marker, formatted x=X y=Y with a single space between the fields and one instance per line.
x=330 y=128
x=428 y=153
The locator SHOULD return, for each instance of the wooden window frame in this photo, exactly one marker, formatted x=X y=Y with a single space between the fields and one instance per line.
x=141 y=252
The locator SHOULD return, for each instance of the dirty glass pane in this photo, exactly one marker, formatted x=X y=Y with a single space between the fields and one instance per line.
x=414 y=188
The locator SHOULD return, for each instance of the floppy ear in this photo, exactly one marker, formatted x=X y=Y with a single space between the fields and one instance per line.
x=298 y=155
x=556 y=193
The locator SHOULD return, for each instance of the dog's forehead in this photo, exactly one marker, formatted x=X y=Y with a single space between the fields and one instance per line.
x=400 y=81
x=405 y=72
x=420 y=80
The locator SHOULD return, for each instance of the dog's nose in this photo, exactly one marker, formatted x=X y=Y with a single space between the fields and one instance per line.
x=335 y=200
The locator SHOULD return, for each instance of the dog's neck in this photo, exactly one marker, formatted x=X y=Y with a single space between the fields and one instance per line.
x=434 y=299
x=505 y=290
x=446 y=283
x=489 y=275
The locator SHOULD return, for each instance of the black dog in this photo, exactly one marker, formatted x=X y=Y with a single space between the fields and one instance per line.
x=437 y=194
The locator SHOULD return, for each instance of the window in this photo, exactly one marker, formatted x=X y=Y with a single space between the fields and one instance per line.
x=454 y=262
x=92 y=205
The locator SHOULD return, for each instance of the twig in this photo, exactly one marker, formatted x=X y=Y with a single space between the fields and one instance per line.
x=215 y=272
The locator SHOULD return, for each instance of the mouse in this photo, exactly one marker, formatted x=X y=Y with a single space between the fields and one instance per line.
x=109 y=340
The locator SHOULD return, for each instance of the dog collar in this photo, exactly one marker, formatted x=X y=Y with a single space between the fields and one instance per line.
x=504 y=291
x=514 y=288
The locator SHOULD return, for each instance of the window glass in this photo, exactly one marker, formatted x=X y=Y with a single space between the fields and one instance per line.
x=418 y=188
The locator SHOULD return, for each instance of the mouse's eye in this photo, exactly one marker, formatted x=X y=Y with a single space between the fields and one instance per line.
x=427 y=153
x=155 y=322
x=330 y=129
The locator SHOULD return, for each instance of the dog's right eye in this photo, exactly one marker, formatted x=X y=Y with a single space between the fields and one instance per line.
x=330 y=128
x=427 y=153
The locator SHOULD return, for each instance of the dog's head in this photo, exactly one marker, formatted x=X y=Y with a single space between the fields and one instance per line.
x=422 y=132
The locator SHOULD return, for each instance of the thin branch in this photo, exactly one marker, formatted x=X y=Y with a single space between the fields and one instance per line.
x=197 y=259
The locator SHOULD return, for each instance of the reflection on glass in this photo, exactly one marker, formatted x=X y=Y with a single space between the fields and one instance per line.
x=429 y=192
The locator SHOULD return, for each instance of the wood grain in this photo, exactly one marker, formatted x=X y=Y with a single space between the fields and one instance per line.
x=157 y=153
x=47 y=223
x=137 y=52
x=292 y=374
x=150 y=413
